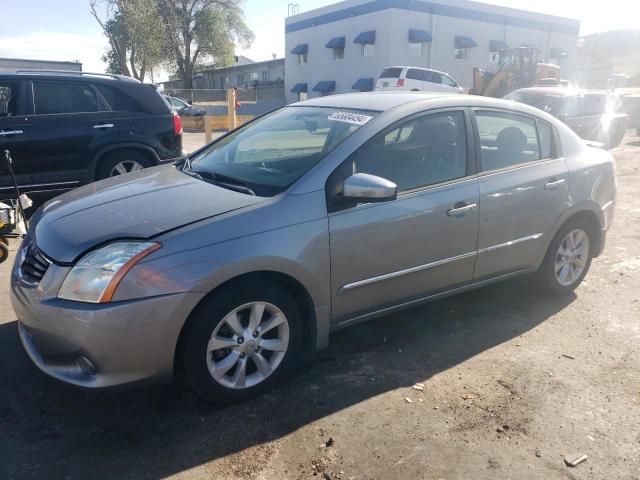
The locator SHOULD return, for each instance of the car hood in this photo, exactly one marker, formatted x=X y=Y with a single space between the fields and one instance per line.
x=137 y=205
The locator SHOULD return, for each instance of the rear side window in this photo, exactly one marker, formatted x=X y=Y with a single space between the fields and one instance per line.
x=59 y=97
x=424 y=75
x=545 y=138
x=117 y=100
x=507 y=140
x=391 y=73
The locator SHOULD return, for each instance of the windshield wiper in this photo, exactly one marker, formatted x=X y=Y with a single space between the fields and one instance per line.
x=224 y=181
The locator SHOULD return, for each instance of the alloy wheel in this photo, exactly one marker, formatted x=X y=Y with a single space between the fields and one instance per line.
x=248 y=345
x=125 y=166
x=572 y=256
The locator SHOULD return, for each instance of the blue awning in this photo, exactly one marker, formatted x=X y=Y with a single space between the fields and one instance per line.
x=419 y=36
x=363 y=85
x=301 y=49
x=465 y=42
x=299 y=87
x=366 y=37
x=557 y=53
x=325 y=86
x=336 y=42
x=496 y=45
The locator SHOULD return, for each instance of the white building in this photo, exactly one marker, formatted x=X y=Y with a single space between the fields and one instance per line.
x=344 y=47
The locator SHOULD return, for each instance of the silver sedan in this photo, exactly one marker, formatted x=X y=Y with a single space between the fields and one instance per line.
x=241 y=260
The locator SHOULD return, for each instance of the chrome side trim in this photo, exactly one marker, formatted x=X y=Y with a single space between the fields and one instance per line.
x=427 y=298
x=510 y=243
x=11 y=132
x=33 y=185
x=407 y=271
x=606 y=205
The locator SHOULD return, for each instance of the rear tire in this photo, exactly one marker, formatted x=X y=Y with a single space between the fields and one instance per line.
x=568 y=258
x=121 y=162
x=228 y=356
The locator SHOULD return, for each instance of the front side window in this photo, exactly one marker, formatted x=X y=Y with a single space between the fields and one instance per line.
x=8 y=100
x=545 y=102
x=506 y=139
x=338 y=53
x=419 y=152
x=272 y=152
x=460 y=53
x=59 y=97
x=368 y=50
x=415 y=49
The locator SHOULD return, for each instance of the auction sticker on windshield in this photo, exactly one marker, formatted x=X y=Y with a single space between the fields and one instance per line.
x=350 y=117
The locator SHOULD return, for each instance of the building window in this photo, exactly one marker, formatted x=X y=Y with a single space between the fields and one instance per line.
x=338 y=53
x=368 y=50
x=461 y=53
x=415 y=49
x=302 y=58
x=240 y=79
x=253 y=77
x=265 y=76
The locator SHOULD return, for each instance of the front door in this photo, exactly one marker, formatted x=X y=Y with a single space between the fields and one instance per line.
x=13 y=135
x=426 y=239
x=523 y=191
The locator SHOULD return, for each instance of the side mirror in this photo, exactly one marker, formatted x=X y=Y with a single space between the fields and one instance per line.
x=366 y=188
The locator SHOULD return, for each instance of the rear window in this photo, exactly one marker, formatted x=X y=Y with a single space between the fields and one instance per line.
x=423 y=75
x=117 y=100
x=391 y=73
x=544 y=102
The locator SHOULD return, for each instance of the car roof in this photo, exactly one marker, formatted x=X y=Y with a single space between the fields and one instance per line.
x=418 y=68
x=383 y=101
x=30 y=74
x=561 y=91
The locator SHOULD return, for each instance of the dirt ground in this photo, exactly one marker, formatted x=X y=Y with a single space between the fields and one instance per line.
x=513 y=382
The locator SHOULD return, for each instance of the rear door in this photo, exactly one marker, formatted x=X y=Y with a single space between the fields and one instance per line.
x=13 y=135
x=425 y=240
x=69 y=122
x=523 y=190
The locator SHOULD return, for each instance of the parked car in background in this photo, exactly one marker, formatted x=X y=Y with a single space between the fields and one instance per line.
x=631 y=106
x=184 y=109
x=417 y=79
x=593 y=114
x=236 y=263
x=66 y=129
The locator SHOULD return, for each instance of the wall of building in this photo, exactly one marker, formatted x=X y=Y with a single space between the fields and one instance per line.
x=241 y=75
x=22 y=63
x=392 y=19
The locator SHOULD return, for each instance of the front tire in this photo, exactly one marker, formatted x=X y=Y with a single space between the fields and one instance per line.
x=568 y=258
x=241 y=341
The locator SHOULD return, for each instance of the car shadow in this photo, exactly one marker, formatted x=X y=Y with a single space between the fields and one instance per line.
x=54 y=431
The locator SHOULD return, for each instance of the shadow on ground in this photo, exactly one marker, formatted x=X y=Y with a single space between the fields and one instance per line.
x=50 y=430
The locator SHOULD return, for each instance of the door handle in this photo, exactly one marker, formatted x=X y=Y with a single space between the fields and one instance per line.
x=552 y=184
x=104 y=125
x=461 y=209
x=11 y=132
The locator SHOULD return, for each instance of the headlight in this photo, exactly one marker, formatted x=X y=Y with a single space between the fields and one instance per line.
x=96 y=276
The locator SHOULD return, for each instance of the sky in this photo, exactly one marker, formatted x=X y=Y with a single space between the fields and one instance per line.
x=66 y=30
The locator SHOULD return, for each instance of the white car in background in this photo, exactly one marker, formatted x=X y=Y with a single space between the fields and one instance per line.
x=417 y=79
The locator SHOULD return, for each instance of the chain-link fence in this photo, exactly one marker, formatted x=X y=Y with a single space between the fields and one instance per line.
x=219 y=96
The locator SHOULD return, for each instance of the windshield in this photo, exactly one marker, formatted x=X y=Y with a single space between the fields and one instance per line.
x=547 y=103
x=274 y=151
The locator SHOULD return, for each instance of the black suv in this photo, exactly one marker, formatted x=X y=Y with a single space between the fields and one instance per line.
x=65 y=129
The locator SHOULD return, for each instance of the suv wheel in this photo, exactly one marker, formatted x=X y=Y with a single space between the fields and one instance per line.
x=241 y=341
x=121 y=162
x=568 y=259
